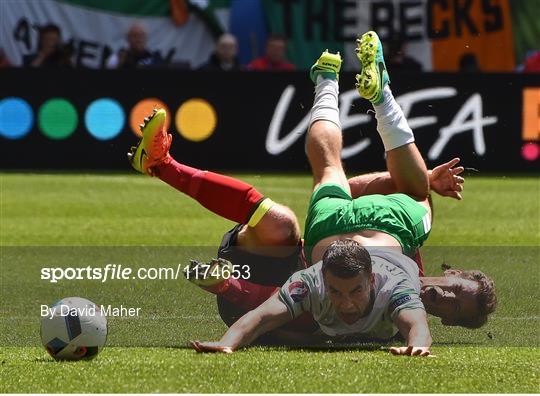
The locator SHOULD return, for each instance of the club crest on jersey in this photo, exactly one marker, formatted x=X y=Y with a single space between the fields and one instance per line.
x=298 y=291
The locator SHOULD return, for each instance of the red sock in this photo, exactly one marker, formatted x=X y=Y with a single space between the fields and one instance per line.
x=242 y=293
x=223 y=195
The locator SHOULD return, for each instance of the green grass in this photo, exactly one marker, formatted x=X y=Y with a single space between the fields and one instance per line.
x=77 y=220
x=455 y=369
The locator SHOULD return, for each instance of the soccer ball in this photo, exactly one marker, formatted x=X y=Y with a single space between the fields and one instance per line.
x=74 y=328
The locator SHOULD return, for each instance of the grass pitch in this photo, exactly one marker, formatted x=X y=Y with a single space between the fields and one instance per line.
x=75 y=220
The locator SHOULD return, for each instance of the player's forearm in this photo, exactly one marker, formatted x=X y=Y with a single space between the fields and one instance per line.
x=413 y=326
x=246 y=330
x=419 y=336
x=378 y=183
x=241 y=333
x=372 y=183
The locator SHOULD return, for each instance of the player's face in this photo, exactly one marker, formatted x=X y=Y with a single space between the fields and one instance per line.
x=350 y=297
x=450 y=298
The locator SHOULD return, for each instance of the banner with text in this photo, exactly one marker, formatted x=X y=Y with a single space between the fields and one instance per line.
x=96 y=33
x=438 y=34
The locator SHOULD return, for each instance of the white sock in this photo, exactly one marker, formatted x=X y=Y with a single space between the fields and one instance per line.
x=391 y=122
x=325 y=104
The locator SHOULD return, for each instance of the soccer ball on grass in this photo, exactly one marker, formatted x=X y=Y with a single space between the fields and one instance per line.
x=73 y=329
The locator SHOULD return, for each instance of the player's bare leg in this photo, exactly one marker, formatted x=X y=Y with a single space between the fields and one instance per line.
x=276 y=234
x=267 y=224
x=324 y=138
x=404 y=162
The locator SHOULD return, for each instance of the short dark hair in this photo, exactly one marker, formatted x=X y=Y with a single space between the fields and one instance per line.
x=49 y=28
x=346 y=259
x=486 y=299
x=276 y=37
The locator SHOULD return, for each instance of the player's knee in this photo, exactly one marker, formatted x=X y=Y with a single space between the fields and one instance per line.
x=420 y=192
x=423 y=187
x=282 y=226
x=324 y=130
x=287 y=230
x=424 y=190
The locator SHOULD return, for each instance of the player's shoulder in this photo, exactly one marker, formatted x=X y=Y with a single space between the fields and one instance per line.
x=311 y=275
x=303 y=286
x=394 y=271
x=393 y=261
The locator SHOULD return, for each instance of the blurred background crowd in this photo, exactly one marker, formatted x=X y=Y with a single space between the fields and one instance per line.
x=269 y=35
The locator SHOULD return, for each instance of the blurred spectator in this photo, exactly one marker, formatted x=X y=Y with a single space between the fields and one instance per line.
x=52 y=52
x=397 y=60
x=224 y=57
x=274 y=58
x=532 y=63
x=4 y=62
x=136 y=55
x=469 y=64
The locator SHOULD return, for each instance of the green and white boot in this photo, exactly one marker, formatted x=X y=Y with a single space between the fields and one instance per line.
x=327 y=66
x=374 y=76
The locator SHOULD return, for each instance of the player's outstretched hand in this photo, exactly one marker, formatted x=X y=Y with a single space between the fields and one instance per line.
x=411 y=351
x=445 y=180
x=206 y=347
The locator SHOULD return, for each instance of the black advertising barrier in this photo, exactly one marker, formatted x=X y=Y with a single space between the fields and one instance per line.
x=261 y=119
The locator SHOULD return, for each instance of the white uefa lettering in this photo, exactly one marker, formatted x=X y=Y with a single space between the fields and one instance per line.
x=469 y=117
x=406 y=101
x=276 y=145
x=461 y=123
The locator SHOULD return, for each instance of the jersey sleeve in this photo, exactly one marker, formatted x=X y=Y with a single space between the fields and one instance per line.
x=404 y=296
x=296 y=294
